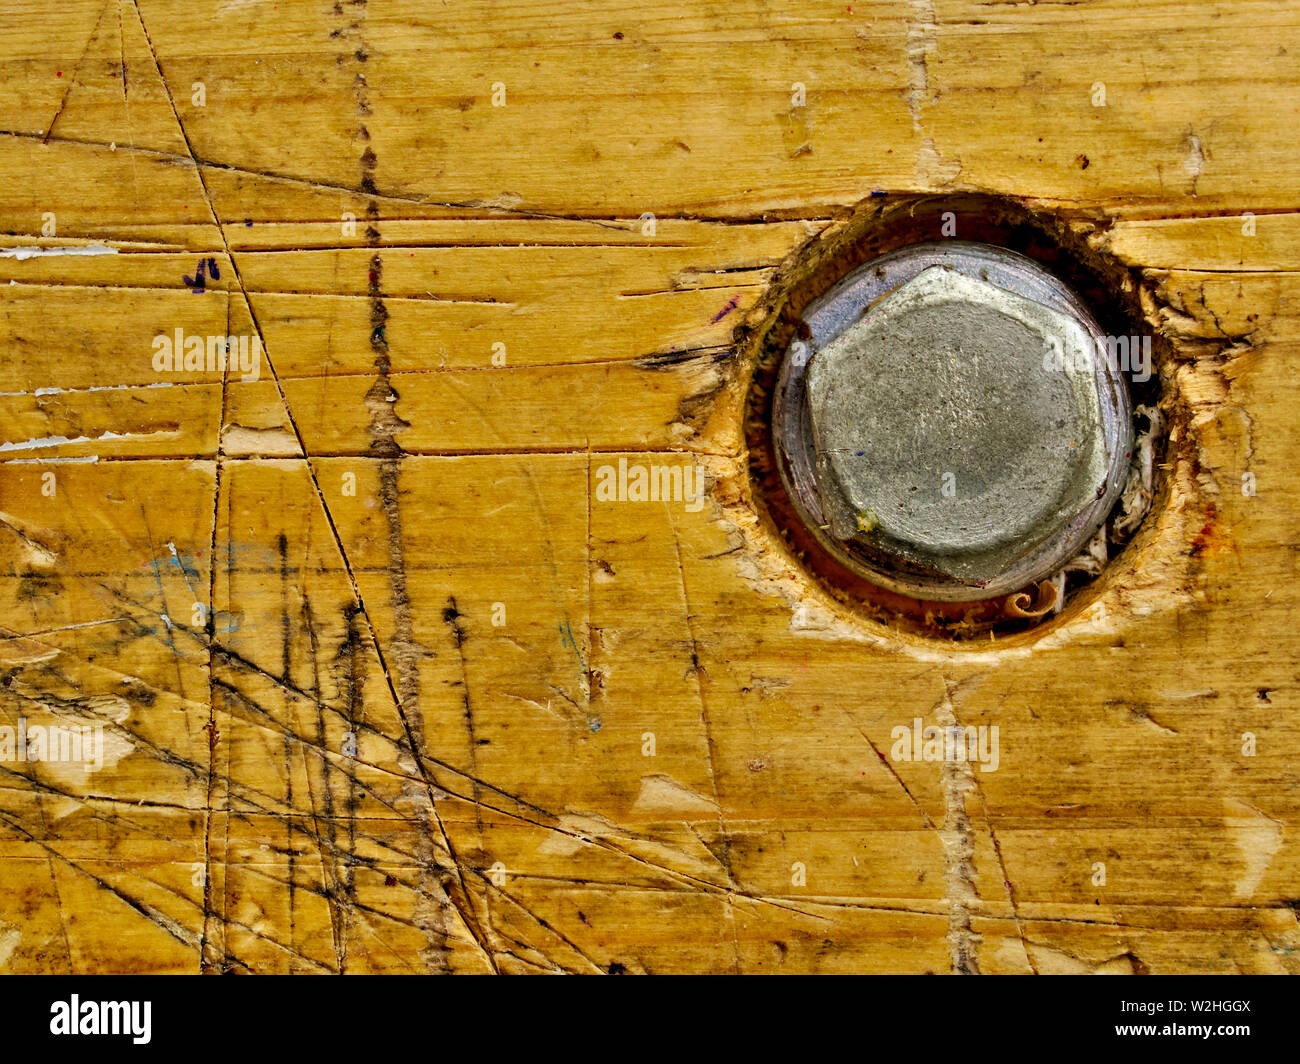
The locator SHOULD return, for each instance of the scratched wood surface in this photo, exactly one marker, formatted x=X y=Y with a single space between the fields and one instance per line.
x=383 y=685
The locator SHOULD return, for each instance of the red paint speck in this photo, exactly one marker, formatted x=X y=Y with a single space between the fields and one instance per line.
x=58 y=73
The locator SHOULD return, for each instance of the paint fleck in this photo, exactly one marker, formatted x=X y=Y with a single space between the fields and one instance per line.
x=731 y=305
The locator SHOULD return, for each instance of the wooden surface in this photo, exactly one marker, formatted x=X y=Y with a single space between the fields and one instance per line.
x=499 y=811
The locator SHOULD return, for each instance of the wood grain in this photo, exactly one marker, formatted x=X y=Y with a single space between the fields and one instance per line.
x=377 y=669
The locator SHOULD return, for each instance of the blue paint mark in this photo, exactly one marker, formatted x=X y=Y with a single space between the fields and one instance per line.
x=567 y=632
x=566 y=639
x=735 y=300
x=232 y=621
x=207 y=268
x=188 y=569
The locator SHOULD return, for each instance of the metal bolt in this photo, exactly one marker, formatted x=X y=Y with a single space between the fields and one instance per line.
x=952 y=429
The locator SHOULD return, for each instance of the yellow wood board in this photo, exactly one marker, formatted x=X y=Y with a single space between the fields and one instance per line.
x=384 y=684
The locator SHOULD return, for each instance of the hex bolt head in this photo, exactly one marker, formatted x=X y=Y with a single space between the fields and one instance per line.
x=956 y=433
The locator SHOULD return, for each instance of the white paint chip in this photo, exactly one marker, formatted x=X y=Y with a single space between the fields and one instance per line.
x=31 y=252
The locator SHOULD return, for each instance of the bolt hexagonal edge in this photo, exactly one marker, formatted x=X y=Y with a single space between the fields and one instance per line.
x=1017 y=293
x=1021 y=505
